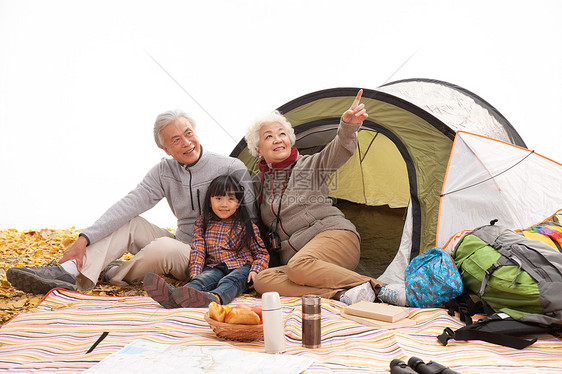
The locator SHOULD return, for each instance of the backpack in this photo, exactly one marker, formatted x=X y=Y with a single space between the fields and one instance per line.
x=549 y=233
x=517 y=278
x=432 y=279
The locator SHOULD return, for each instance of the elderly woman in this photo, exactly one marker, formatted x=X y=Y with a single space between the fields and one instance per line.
x=319 y=247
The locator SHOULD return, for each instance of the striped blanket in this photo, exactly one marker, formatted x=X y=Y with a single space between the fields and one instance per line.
x=55 y=336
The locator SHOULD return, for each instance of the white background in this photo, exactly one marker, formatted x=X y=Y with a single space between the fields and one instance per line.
x=79 y=90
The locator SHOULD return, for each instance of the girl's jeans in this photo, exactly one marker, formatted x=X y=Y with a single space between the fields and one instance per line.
x=224 y=282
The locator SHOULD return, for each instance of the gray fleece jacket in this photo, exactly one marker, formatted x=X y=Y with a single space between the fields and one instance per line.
x=184 y=187
x=306 y=210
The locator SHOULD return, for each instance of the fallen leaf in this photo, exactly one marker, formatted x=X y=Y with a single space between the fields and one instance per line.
x=35 y=300
x=39 y=247
x=19 y=303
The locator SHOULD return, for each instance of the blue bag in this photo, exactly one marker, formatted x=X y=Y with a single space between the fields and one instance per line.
x=432 y=279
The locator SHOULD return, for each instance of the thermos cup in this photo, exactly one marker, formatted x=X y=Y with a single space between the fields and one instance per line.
x=311 y=314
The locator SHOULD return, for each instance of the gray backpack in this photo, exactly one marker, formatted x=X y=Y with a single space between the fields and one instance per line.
x=518 y=278
x=512 y=274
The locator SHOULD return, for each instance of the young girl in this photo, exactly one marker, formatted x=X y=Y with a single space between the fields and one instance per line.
x=226 y=252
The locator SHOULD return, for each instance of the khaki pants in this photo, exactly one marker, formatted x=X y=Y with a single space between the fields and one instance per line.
x=155 y=250
x=324 y=266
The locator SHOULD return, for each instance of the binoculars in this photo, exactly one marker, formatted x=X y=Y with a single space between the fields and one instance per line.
x=416 y=365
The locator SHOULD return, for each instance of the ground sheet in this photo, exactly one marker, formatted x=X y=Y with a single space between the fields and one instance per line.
x=55 y=336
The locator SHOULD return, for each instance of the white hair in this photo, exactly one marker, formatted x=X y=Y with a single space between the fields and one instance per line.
x=253 y=133
x=165 y=118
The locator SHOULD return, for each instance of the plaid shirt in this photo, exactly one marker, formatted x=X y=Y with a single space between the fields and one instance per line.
x=217 y=245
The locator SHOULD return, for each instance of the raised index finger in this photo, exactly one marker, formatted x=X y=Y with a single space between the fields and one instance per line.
x=357 y=98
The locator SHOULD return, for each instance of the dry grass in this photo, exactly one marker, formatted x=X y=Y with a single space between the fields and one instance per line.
x=39 y=247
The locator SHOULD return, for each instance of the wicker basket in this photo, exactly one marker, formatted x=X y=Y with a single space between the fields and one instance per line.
x=231 y=331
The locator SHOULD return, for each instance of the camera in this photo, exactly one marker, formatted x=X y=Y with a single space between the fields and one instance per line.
x=274 y=241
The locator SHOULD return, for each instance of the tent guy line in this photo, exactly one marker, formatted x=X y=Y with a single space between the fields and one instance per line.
x=213 y=118
x=399 y=68
x=489 y=178
x=190 y=96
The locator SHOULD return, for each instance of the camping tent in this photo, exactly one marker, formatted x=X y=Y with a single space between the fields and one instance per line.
x=390 y=187
x=488 y=179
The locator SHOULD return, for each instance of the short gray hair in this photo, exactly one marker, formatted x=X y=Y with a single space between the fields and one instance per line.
x=253 y=133
x=165 y=118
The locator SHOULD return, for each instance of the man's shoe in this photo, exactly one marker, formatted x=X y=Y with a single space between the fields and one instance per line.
x=41 y=279
x=103 y=275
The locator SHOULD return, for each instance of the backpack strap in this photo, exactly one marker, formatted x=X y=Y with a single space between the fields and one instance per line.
x=490 y=337
x=467 y=307
x=502 y=261
x=497 y=329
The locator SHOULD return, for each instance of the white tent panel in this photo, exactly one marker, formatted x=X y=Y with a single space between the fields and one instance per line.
x=488 y=179
x=460 y=109
x=394 y=273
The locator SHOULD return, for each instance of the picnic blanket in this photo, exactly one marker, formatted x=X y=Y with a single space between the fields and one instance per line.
x=56 y=334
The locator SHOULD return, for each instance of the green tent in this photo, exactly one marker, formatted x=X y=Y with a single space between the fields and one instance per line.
x=390 y=188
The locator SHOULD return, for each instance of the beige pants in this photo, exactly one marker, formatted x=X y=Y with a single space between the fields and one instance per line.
x=155 y=250
x=324 y=266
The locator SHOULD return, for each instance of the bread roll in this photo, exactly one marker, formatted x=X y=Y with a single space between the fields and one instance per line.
x=242 y=316
x=217 y=312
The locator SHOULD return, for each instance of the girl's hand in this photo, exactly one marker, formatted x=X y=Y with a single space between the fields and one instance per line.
x=357 y=113
x=251 y=277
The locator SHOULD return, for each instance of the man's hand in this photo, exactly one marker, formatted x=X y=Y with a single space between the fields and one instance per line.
x=357 y=113
x=75 y=252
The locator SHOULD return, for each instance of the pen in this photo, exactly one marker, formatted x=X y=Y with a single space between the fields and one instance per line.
x=103 y=335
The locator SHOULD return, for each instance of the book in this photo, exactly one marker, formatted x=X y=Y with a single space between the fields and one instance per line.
x=405 y=322
x=378 y=311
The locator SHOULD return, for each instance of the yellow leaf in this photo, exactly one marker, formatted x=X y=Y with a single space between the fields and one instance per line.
x=39 y=247
x=61 y=306
x=19 y=303
x=35 y=300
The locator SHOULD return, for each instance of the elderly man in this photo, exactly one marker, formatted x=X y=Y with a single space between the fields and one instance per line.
x=182 y=180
